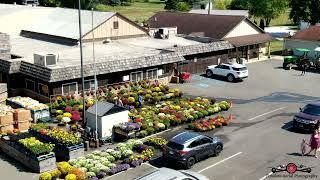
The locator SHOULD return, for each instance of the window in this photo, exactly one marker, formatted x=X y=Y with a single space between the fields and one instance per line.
x=115 y=24
x=205 y=140
x=174 y=145
x=43 y=90
x=89 y=84
x=31 y=85
x=152 y=74
x=239 y=69
x=136 y=76
x=69 y=88
x=195 y=143
x=225 y=67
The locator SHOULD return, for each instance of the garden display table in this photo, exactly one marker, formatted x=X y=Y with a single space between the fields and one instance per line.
x=36 y=164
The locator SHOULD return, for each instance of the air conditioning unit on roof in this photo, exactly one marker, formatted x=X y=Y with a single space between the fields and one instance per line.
x=44 y=59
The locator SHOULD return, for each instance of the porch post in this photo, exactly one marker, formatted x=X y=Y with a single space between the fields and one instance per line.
x=237 y=54
x=258 y=52
x=269 y=49
x=248 y=53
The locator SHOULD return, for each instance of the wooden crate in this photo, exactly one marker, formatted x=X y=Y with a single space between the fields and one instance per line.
x=66 y=153
x=23 y=125
x=5 y=128
x=38 y=165
x=6 y=119
x=21 y=115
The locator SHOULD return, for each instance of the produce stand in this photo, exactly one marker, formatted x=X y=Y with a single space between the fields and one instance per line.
x=36 y=164
x=38 y=110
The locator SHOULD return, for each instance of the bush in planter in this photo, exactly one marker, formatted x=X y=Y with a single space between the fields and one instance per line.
x=64 y=167
x=143 y=133
x=71 y=177
x=150 y=130
x=45 y=176
x=80 y=175
x=55 y=174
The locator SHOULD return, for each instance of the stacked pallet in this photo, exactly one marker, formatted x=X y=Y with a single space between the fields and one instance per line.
x=6 y=118
x=22 y=119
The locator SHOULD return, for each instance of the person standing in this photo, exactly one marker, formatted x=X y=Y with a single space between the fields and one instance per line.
x=304 y=68
x=140 y=101
x=314 y=143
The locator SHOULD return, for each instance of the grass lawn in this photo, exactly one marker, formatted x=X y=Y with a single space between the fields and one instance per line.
x=282 y=20
x=276 y=47
x=138 y=11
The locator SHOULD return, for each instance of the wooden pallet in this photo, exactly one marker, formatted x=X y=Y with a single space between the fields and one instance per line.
x=40 y=164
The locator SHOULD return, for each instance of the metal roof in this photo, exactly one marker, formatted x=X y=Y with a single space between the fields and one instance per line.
x=104 y=108
x=62 y=22
x=221 y=12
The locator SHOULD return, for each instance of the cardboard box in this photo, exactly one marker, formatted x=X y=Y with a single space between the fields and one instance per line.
x=23 y=126
x=21 y=115
x=6 y=119
x=6 y=128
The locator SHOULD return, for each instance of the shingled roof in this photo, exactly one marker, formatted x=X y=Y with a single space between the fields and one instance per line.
x=104 y=67
x=202 y=25
x=310 y=34
x=249 y=39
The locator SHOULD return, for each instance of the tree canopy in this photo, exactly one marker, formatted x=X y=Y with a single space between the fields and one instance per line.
x=264 y=9
x=306 y=10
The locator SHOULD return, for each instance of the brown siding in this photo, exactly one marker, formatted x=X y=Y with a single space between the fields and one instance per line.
x=125 y=29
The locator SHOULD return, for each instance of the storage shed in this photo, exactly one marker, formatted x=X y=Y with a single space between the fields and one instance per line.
x=108 y=115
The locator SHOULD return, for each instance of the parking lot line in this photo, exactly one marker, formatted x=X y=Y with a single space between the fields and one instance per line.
x=264 y=177
x=265 y=113
x=219 y=162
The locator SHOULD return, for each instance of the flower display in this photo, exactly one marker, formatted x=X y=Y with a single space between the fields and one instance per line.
x=36 y=147
x=64 y=137
x=71 y=177
x=210 y=123
x=67 y=114
x=64 y=167
x=45 y=176
x=55 y=174
x=119 y=168
x=128 y=126
x=157 y=142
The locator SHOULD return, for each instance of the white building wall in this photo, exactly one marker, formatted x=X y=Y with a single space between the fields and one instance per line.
x=106 y=123
x=243 y=29
x=293 y=43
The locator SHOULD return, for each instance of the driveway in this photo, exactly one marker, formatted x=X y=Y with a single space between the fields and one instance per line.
x=260 y=136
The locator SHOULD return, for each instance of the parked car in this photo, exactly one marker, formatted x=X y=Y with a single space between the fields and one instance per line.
x=308 y=116
x=168 y=174
x=232 y=71
x=187 y=148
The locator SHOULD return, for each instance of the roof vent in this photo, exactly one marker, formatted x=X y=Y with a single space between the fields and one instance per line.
x=175 y=45
x=45 y=59
x=155 y=19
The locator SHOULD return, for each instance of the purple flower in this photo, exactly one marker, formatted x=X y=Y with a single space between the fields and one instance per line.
x=136 y=163
x=94 y=178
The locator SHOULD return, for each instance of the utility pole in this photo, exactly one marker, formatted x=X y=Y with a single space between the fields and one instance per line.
x=209 y=8
x=81 y=60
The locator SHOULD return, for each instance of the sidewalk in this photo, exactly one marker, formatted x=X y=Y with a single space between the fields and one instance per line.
x=264 y=58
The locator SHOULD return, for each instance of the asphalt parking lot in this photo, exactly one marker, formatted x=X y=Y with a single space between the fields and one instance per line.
x=259 y=138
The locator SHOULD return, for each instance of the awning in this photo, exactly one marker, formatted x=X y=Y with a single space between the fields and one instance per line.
x=249 y=39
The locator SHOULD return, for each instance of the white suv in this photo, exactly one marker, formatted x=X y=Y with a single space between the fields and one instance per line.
x=231 y=71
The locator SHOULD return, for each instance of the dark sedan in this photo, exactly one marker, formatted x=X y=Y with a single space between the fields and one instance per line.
x=187 y=148
x=308 y=117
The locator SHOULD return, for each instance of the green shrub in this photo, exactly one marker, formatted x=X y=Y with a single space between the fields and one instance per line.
x=150 y=130
x=183 y=6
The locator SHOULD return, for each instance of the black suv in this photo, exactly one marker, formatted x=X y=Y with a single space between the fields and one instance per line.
x=187 y=148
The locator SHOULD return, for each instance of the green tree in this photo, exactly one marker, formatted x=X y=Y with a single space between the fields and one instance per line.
x=239 y=5
x=221 y=4
x=171 y=4
x=306 y=10
x=299 y=10
x=267 y=10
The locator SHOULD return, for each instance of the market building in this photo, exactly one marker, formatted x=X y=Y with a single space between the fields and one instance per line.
x=45 y=56
x=307 y=39
x=248 y=39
